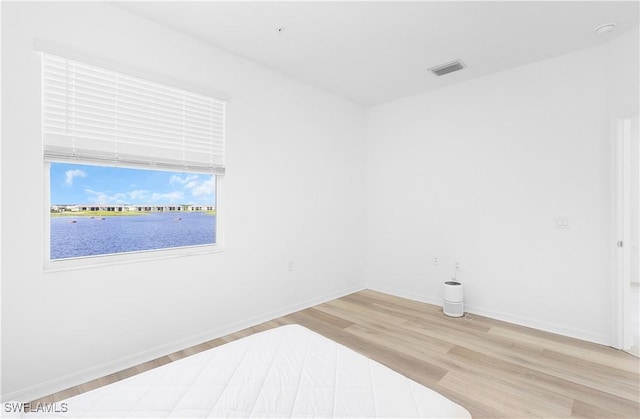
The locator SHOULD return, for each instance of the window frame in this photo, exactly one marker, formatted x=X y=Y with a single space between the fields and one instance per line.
x=94 y=261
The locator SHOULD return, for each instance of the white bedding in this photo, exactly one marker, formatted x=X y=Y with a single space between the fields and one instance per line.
x=289 y=371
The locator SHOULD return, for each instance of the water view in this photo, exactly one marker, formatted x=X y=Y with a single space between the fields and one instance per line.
x=100 y=210
x=89 y=236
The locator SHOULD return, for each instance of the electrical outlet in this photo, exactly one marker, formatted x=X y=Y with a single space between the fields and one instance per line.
x=562 y=223
x=290 y=266
x=458 y=268
x=436 y=261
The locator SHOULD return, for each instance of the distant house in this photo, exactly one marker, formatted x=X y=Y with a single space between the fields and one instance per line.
x=130 y=207
x=201 y=208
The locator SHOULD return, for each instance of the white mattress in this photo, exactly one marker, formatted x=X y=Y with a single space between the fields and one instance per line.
x=289 y=371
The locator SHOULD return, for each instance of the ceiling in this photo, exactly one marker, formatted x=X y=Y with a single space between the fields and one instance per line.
x=372 y=52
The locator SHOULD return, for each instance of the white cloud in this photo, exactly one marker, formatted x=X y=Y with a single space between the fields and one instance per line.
x=204 y=189
x=201 y=188
x=98 y=197
x=138 y=194
x=71 y=174
x=182 y=181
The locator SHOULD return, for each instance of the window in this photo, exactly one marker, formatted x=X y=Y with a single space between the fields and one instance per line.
x=133 y=165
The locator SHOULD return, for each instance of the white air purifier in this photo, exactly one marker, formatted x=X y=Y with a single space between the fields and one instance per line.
x=453 y=302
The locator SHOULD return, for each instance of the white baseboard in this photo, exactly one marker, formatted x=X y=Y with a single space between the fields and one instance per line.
x=558 y=329
x=53 y=386
x=507 y=317
x=408 y=295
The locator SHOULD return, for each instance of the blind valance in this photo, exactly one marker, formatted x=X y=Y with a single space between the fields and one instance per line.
x=96 y=114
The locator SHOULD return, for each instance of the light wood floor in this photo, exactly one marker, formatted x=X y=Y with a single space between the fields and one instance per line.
x=492 y=368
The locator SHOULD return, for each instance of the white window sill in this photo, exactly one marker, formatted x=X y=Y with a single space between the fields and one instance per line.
x=90 y=262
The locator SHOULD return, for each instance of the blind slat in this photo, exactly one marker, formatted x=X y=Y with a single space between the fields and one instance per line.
x=93 y=113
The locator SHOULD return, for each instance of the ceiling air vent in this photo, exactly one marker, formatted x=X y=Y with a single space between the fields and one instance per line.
x=447 y=68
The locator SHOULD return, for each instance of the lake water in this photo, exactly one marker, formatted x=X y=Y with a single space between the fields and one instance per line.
x=116 y=234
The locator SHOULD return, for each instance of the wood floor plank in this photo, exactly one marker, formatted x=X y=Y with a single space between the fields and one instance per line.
x=492 y=368
x=619 y=375
x=585 y=352
x=513 y=401
x=321 y=316
x=531 y=378
x=401 y=340
x=583 y=409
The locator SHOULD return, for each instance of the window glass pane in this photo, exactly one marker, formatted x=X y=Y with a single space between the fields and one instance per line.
x=100 y=210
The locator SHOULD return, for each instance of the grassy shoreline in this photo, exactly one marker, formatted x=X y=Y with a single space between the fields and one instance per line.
x=96 y=213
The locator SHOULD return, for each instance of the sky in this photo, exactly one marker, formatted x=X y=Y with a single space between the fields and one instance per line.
x=85 y=184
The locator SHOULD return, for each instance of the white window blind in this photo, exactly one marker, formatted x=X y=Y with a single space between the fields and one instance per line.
x=100 y=115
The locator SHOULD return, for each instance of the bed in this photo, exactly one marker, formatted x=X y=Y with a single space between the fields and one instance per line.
x=288 y=371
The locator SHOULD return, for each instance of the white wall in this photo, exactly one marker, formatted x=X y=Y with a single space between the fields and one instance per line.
x=294 y=190
x=623 y=67
x=478 y=173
